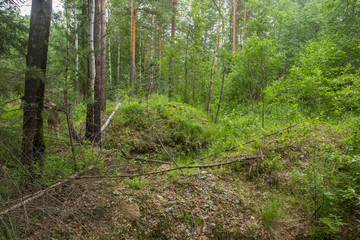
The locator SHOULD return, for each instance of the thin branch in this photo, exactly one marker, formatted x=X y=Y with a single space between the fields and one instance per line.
x=40 y=193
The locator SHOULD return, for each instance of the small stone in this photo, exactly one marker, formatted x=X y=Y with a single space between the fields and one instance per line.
x=203 y=238
x=130 y=211
x=204 y=172
x=205 y=206
x=169 y=209
x=164 y=167
x=202 y=177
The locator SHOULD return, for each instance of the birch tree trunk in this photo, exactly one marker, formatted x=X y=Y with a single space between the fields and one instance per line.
x=132 y=48
x=194 y=81
x=171 y=63
x=102 y=97
x=151 y=56
x=234 y=26
x=244 y=30
x=91 y=73
x=118 y=60
x=109 y=60
x=76 y=49
x=186 y=67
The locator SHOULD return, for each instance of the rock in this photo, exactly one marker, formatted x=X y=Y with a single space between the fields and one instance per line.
x=161 y=198
x=204 y=172
x=203 y=238
x=205 y=206
x=203 y=177
x=164 y=167
x=130 y=211
x=169 y=209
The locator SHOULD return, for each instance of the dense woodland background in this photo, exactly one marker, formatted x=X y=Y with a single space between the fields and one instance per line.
x=196 y=79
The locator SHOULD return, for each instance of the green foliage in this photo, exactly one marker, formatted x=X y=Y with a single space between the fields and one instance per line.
x=273 y=209
x=254 y=68
x=135 y=183
x=323 y=80
x=328 y=228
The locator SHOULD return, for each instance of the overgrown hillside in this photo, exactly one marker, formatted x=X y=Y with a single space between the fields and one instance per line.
x=285 y=182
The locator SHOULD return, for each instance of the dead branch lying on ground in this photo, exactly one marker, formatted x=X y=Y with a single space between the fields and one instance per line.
x=40 y=193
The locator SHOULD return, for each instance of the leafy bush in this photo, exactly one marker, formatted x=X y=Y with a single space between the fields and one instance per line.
x=323 y=80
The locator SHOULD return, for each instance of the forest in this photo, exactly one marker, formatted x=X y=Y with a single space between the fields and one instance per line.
x=180 y=119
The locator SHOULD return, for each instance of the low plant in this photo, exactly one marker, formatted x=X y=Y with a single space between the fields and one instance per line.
x=135 y=183
x=273 y=209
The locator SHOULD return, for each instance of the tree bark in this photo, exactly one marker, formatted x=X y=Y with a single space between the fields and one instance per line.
x=244 y=30
x=171 y=62
x=151 y=57
x=76 y=50
x=33 y=144
x=221 y=93
x=109 y=59
x=102 y=97
x=234 y=26
x=98 y=76
x=194 y=81
x=91 y=73
x=186 y=70
x=118 y=60
x=132 y=48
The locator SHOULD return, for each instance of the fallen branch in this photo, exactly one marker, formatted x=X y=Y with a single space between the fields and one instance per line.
x=40 y=193
x=170 y=169
x=36 y=195
x=109 y=118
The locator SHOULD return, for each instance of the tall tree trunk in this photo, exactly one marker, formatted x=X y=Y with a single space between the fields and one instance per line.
x=132 y=48
x=102 y=97
x=194 y=81
x=213 y=68
x=244 y=30
x=186 y=70
x=98 y=76
x=221 y=93
x=83 y=43
x=171 y=63
x=76 y=50
x=109 y=59
x=140 y=61
x=151 y=56
x=33 y=145
x=159 y=67
x=234 y=26
x=118 y=60
x=144 y=63
x=91 y=73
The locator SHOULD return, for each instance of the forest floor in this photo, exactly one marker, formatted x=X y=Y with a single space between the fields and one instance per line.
x=273 y=196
